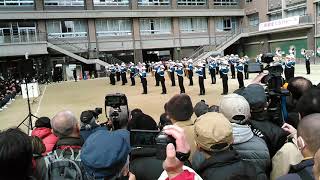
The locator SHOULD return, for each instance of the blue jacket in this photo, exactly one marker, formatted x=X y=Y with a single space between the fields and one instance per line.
x=240 y=67
x=179 y=72
x=113 y=70
x=143 y=75
x=224 y=70
x=199 y=71
x=290 y=64
x=190 y=66
x=123 y=70
x=212 y=65
x=160 y=72
x=86 y=133
x=295 y=171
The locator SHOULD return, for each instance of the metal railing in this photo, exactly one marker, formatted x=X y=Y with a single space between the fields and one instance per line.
x=64 y=3
x=154 y=3
x=31 y=38
x=67 y=35
x=16 y=3
x=114 y=33
x=111 y=3
x=192 y=2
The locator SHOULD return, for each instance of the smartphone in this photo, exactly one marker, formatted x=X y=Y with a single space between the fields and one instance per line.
x=143 y=138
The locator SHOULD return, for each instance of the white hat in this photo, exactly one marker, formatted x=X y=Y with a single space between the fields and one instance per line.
x=180 y=64
x=190 y=61
x=233 y=105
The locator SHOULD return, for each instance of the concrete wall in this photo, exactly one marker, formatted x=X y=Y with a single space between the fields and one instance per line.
x=21 y=49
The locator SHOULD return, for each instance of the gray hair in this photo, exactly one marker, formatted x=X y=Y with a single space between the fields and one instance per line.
x=63 y=123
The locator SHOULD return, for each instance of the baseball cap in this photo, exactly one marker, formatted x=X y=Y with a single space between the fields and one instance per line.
x=235 y=108
x=105 y=153
x=213 y=132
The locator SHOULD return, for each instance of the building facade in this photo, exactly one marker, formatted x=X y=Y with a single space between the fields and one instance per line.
x=143 y=30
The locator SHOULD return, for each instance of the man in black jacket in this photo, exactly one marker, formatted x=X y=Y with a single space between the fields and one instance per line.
x=260 y=120
x=215 y=158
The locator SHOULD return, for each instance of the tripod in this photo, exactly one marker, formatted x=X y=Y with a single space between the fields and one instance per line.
x=30 y=115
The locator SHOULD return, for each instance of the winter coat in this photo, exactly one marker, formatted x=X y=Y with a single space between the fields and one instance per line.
x=48 y=138
x=226 y=165
x=301 y=171
x=252 y=148
x=188 y=127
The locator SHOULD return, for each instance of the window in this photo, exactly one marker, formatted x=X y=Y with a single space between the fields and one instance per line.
x=111 y=2
x=15 y=32
x=114 y=27
x=254 y=20
x=188 y=25
x=225 y=24
x=192 y=2
x=248 y=1
x=66 y=29
x=154 y=2
x=297 y=12
x=273 y=17
x=155 y=26
x=318 y=8
x=16 y=3
x=226 y=2
x=64 y=2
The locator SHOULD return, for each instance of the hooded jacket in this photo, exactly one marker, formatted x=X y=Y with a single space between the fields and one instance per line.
x=48 y=138
x=301 y=171
x=251 y=148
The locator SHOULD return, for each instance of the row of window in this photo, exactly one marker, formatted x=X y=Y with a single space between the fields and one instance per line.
x=295 y=12
x=26 y=30
x=118 y=2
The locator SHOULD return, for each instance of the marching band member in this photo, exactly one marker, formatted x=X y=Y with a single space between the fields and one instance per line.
x=162 y=79
x=190 y=71
x=246 y=66
x=179 y=71
x=118 y=72
x=156 y=68
x=289 y=67
x=307 y=59
x=224 y=69
x=123 y=71
x=133 y=71
x=204 y=69
x=240 y=71
x=218 y=64
x=112 y=71
x=258 y=60
x=143 y=76
x=171 y=70
x=212 y=69
x=199 y=71
x=232 y=61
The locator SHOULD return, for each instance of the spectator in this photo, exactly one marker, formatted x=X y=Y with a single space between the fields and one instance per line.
x=43 y=131
x=308 y=142
x=15 y=155
x=309 y=103
x=164 y=120
x=89 y=124
x=105 y=154
x=260 y=120
x=141 y=121
x=250 y=147
x=64 y=125
x=38 y=148
x=215 y=158
x=297 y=87
x=179 y=110
x=316 y=167
x=201 y=108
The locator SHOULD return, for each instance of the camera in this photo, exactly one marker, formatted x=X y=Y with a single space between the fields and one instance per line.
x=117 y=110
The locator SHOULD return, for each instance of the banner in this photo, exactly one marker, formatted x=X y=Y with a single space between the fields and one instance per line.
x=280 y=23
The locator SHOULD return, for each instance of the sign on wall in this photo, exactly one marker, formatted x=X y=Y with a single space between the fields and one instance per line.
x=280 y=23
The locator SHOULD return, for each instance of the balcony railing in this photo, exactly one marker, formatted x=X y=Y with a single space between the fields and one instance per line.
x=22 y=38
x=67 y=35
x=114 y=33
x=111 y=2
x=64 y=3
x=154 y=3
x=192 y=2
x=16 y=3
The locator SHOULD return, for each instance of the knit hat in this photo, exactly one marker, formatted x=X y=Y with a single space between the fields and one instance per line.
x=43 y=122
x=201 y=108
x=255 y=95
x=213 y=132
x=105 y=153
x=235 y=108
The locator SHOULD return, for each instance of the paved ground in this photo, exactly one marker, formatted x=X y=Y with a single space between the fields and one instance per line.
x=84 y=95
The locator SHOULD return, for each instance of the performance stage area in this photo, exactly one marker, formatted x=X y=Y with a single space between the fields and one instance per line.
x=89 y=94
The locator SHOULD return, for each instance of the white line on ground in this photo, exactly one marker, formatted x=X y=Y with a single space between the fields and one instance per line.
x=39 y=104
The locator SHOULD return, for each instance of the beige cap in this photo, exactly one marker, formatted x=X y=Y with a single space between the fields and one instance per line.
x=233 y=105
x=213 y=129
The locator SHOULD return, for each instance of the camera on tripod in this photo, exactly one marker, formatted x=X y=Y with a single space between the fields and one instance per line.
x=117 y=110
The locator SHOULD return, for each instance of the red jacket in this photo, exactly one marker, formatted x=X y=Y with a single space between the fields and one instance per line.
x=185 y=175
x=48 y=138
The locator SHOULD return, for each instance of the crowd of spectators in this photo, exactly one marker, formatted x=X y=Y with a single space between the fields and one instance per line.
x=239 y=139
x=9 y=88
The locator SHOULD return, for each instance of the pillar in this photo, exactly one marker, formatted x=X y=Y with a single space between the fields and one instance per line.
x=89 y=5
x=137 y=49
x=211 y=30
x=39 y=5
x=92 y=39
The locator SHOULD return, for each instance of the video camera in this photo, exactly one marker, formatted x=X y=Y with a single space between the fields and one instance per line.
x=275 y=93
x=118 y=110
